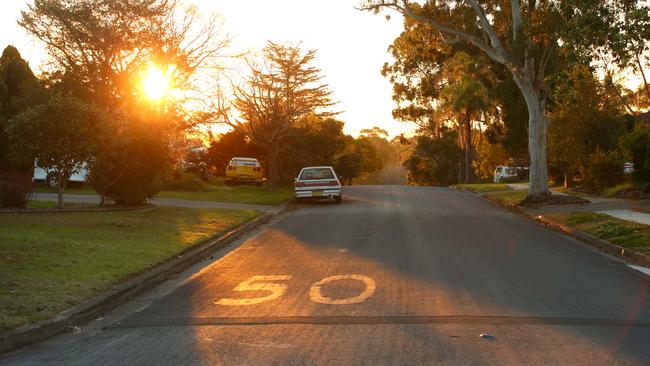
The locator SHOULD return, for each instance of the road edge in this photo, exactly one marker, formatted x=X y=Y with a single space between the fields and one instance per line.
x=601 y=245
x=125 y=291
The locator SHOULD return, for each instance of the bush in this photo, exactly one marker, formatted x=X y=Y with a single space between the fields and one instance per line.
x=637 y=144
x=129 y=168
x=15 y=188
x=604 y=170
x=183 y=182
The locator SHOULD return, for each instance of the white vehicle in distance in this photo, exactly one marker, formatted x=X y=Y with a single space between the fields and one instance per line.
x=504 y=172
x=76 y=180
x=318 y=182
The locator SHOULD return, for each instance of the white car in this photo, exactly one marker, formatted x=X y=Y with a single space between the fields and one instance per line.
x=76 y=179
x=318 y=182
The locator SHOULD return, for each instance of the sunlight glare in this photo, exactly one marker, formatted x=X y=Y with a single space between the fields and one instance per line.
x=155 y=82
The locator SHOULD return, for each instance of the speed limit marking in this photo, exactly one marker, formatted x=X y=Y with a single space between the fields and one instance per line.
x=316 y=295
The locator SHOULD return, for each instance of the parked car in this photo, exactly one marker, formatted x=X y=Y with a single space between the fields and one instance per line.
x=628 y=168
x=509 y=173
x=318 y=182
x=76 y=180
x=244 y=170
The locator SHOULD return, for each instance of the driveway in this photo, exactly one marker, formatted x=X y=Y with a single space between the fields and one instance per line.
x=393 y=276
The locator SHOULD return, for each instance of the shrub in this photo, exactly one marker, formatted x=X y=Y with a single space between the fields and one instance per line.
x=15 y=188
x=129 y=167
x=183 y=182
x=637 y=144
x=604 y=170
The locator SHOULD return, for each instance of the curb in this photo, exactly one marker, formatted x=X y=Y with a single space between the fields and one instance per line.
x=123 y=292
x=600 y=244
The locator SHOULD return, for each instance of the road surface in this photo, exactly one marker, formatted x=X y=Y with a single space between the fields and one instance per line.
x=392 y=276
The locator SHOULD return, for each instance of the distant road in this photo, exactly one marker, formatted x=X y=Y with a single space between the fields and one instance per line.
x=394 y=275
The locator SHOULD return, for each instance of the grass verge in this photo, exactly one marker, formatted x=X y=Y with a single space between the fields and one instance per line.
x=236 y=194
x=483 y=187
x=627 y=234
x=513 y=197
x=216 y=191
x=50 y=262
x=53 y=204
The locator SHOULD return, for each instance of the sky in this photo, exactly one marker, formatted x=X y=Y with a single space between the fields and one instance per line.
x=351 y=47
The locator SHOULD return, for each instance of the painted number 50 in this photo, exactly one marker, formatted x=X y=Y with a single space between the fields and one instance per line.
x=276 y=290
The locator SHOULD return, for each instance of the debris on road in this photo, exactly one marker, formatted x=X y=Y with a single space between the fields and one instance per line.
x=487 y=336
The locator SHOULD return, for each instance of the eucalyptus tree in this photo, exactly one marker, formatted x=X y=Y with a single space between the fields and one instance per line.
x=523 y=36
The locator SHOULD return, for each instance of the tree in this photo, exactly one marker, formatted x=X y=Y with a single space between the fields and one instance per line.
x=358 y=157
x=100 y=51
x=58 y=134
x=466 y=98
x=19 y=88
x=522 y=36
x=280 y=90
x=231 y=144
x=584 y=120
x=434 y=159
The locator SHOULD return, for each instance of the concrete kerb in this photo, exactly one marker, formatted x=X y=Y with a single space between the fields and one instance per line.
x=602 y=245
x=125 y=291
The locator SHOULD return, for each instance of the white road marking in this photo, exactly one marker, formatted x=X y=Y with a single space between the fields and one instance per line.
x=316 y=296
x=640 y=269
x=276 y=290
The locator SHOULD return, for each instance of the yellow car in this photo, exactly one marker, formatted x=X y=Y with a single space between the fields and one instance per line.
x=244 y=170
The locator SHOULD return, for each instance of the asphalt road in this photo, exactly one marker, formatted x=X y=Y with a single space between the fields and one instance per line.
x=392 y=276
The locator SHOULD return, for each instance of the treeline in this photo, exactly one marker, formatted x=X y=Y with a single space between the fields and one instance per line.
x=127 y=82
x=471 y=110
x=312 y=141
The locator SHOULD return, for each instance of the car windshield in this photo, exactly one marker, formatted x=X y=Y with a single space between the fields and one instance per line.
x=244 y=163
x=316 y=173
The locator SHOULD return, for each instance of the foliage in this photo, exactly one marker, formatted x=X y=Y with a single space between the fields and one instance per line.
x=637 y=145
x=130 y=163
x=100 y=50
x=604 y=170
x=280 y=90
x=491 y=156
x=58 y=134
x=229 y=145
x=358 y=157
x=614 y=229
x=583 y=120
x=18 y=89
x=434 y=160
x=184 y=182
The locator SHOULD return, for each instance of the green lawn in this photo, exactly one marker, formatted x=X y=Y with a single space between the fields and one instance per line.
x=84 y=190
x=52 y=261
x=238 y=194
x=627 y=234
x=513 y=197
x=484 y=187
x=215 y=191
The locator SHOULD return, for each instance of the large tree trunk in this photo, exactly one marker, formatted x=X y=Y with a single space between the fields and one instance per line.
x=537 y=129
x=273 y=158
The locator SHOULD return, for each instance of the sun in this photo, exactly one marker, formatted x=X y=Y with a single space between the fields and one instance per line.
x=156 y=82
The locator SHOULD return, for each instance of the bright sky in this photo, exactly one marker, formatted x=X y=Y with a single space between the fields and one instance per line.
x=352 y=47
